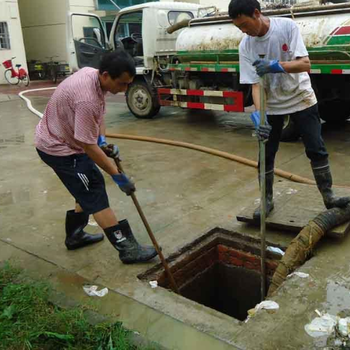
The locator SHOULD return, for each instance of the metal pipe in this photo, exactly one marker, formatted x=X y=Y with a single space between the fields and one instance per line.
x=151 y=235
x=263 y=191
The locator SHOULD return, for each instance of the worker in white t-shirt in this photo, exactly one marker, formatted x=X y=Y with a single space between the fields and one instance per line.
x=288 y=91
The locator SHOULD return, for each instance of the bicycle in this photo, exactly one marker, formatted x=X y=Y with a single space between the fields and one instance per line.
x=36 y=70
x=51 y=69
x=12 y=76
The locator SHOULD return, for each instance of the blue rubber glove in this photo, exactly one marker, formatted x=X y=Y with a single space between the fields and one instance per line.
x=110 y=150
x=262 y=131
x=266 y=66
x=124 y=183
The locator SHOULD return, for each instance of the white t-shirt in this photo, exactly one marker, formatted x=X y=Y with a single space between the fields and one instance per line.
x=285 y=92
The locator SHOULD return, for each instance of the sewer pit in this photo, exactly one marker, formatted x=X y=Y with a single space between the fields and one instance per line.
x=220 y=270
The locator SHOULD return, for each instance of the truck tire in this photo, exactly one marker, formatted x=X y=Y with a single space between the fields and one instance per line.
x=142 y=100
x=289 y=131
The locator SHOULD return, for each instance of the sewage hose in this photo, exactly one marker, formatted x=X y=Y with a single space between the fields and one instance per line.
x=284 y=174
x=300 y=248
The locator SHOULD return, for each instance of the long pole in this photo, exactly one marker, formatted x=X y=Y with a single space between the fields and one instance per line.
x=151 y=235
x=263 y=191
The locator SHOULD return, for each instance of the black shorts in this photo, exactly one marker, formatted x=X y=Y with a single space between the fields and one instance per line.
x=82 y=179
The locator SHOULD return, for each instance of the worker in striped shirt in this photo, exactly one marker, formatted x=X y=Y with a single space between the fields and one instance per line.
x=70 y=138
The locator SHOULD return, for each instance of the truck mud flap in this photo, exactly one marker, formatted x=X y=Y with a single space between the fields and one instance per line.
x=229 y=101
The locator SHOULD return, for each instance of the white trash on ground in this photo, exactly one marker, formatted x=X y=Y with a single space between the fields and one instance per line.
x=153 y=284
x=321 y=326
x=299 y=274
x=326 y=325
x=266 y=304
x=275 y=250
x=93 y=292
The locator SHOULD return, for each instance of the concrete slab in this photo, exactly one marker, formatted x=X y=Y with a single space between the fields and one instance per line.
x=296 y=204
x=184 y=194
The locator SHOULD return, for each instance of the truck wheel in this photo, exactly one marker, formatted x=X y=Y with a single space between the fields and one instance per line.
x=289 y=131
x=141 y=100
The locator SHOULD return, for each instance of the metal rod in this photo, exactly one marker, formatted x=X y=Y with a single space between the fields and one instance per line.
x=151 y=235
x=263 y=191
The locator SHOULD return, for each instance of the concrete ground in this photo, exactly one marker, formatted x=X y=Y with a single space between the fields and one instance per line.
x=184 y=194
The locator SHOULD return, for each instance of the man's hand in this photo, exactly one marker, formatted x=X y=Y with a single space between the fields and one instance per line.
x=124 y=183
x=262 y=131
x=110 y=150
x=264 y=66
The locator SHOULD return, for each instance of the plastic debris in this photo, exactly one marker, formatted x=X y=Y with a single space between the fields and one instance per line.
x=321 y=326
x=299 y=274
x=344 y=326
x=93 y=292
x=153 y=284
x=291 y=191
x=329 y=325
x=275 y=250
x=267 y=305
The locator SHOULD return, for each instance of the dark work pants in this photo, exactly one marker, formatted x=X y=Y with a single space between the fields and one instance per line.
x=308 y=125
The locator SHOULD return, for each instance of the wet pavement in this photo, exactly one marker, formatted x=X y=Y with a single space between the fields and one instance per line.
x=184 y=194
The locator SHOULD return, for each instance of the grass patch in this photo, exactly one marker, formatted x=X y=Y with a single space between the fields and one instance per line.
x=28 y=320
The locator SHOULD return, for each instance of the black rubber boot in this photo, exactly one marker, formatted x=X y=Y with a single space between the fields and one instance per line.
x=123 y=240
x=323 y=177
x=76 y=237
x=269 y=196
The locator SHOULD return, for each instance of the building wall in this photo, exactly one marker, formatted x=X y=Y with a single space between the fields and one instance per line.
x=81 y=5
x=44 y=25
x=44 y=28
x=9 y=13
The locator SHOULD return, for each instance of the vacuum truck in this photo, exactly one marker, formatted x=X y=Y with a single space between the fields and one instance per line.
x=187 y=56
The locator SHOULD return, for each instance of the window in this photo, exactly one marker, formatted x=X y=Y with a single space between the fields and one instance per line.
x=4 y=37
x=128 y=34
x=178 y=16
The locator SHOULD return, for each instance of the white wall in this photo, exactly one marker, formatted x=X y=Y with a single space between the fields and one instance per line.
x=44 y=24
x=44 y=28
x=82 y=5
x=9 y=13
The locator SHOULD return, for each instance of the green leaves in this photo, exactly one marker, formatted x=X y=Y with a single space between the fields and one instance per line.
x=29 y=321
x=9 y=312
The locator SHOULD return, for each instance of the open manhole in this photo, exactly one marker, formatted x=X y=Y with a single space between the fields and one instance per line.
x=220 y=270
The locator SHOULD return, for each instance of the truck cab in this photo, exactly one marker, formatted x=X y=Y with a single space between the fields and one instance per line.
x=141 y=31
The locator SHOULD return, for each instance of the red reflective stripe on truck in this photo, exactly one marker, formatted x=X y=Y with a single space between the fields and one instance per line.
x=230 y=93
x=195 y=92
x=336 y=71
x=164 y=91
x=195 y=105
x=237 y=97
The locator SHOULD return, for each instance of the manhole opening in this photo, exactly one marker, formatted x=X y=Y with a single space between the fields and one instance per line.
x=220 y=270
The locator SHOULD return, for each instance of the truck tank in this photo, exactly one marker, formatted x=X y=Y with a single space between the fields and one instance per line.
x=325 y=30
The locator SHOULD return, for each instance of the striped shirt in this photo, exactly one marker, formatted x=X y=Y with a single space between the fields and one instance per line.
x=74 y=113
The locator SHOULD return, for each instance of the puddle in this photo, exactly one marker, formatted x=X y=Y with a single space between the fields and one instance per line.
x=220 y=270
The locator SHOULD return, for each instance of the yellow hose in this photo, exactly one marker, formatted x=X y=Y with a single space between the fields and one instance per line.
x=226 y=155
x=230 y=156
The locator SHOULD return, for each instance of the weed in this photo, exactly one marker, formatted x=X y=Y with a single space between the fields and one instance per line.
x=28 y=321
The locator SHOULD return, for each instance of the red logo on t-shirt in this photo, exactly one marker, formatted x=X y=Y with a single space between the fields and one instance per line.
x=285 y=47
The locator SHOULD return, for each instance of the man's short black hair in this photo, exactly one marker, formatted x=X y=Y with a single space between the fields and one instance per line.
x=116 y=63
x=243 y=7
